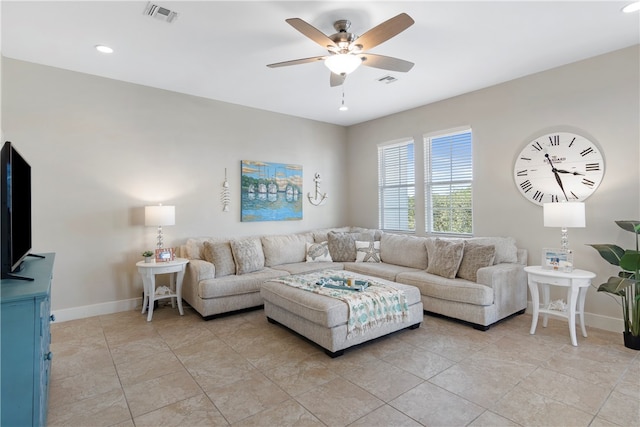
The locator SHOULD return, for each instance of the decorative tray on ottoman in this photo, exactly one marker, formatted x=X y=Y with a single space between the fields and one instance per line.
x=349 y=284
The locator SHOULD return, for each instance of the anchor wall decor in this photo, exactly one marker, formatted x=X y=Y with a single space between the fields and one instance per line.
x=318 y=199
x=225 y=196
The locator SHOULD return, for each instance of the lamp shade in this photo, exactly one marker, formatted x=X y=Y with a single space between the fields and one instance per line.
x=343 y=63
x=564 y=215
x=159 y=215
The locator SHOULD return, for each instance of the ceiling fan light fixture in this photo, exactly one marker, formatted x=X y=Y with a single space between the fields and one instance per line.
x=632 y=7
x=342 y=63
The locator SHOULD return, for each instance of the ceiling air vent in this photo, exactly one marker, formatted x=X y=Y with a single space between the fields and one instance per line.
x=387 y=79
x=160 y=12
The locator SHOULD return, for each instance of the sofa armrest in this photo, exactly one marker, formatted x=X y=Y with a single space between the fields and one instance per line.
x=198 y=270
x=509 y=284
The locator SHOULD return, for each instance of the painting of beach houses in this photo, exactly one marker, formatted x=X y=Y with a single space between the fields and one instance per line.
x=270 y=191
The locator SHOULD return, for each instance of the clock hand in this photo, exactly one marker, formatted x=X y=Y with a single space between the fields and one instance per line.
x=555 y=172
x=564 y=171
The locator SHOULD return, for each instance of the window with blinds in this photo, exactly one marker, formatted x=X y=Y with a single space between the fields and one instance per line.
x=396 y=187
x=448 y=183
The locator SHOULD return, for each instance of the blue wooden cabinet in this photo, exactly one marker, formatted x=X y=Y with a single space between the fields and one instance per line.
x=25 y=312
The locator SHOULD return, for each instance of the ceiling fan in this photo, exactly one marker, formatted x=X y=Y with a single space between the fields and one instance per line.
x=347 y=50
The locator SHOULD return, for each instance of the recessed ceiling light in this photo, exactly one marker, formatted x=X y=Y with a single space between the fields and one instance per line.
x=103 y=49
x=632 y=7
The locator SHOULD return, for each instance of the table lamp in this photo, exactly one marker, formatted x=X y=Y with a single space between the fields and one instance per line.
x=564 y=215
x=158 y=216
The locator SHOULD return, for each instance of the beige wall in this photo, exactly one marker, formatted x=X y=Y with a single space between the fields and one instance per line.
x=598 y=97
x=101 y=150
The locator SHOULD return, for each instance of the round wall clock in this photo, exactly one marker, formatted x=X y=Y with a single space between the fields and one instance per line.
x=559 y=166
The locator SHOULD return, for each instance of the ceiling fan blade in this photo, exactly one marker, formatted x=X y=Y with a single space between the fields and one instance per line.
x=337 y=79
x=297 y=61
x=383 y=32
x=312 y=32
x=386 y=62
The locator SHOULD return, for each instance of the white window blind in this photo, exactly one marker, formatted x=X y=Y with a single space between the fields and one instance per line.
x=396 y=187
x=448 y=183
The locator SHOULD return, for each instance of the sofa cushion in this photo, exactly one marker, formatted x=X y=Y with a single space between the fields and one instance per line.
x=506 y=250
x=322 y=235
x=378 y=269
x=475 y=256
x=444 y=257
x=308 y=267
x=219 y=254
x=407 y=251
x=248 y=254
x=236 y=285
x=318 y=252
x=458 y=290
x=367 y=251
x=285 y=248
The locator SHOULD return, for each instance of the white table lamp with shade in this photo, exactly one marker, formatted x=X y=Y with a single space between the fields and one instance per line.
x=158 y=216
x=564 y=215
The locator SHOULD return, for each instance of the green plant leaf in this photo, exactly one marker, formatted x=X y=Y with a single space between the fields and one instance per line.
x=630 y=261
x=616 y=286
x=628 y=225
x=611 y=253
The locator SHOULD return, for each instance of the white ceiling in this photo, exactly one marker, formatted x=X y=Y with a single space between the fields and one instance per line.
x=219 y=50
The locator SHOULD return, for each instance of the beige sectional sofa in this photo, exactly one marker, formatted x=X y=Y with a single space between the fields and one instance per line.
x=476 y=280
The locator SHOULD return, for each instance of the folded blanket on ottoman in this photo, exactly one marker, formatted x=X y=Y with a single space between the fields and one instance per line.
x=376 y=305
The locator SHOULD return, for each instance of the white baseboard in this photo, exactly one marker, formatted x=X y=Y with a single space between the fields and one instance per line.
x=599 y=321
x=593 y=320
x=74 y=313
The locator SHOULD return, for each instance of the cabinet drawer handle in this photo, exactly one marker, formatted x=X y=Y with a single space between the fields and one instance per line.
x=48 y=356
x=52 y=317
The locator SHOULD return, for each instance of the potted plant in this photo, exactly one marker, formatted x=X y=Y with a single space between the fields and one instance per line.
x=148 y=256
x=626 y=284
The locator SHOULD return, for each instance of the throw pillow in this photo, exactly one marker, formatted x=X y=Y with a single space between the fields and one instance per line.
x=506 y=249
x=318 y=252
x=219 y=254
x=475 y=256
x=342 y=247
x=248 y=255
x=367 y=251
x=445 y=257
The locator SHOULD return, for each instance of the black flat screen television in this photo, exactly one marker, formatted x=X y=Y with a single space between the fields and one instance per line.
x=16 y=211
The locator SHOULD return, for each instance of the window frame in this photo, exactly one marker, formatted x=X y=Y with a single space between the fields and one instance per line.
x=453 y=182
x=407 y=181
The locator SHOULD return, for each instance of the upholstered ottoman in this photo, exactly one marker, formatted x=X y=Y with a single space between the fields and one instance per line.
x=323 y=319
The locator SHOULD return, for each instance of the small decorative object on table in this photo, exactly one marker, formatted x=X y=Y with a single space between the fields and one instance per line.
x=148 y=256
x=165 y=254
x=557 y=259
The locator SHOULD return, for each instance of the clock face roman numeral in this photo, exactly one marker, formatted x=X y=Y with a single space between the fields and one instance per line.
x=589 y=167
x=537 y=146
x=526 y=186
x=572 y=141
x=554 y=140
x=554 y=198
x=588 y=182
x=522 y=173
x=586 y=151
x=538 y=196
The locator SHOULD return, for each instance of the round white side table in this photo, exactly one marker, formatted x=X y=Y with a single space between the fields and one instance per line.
x=577 y=282
x=149 y=270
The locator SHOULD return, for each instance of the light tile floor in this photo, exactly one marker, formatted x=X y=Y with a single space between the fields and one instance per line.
x=120 y=370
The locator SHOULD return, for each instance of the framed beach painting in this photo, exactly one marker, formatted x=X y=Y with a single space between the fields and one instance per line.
x=270 y=191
